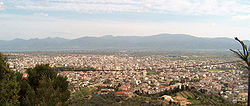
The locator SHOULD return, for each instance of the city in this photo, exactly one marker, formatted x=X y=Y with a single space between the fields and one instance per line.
x=124 y=53
x=147 y=74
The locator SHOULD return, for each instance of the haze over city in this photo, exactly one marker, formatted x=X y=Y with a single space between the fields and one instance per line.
x=72 y=19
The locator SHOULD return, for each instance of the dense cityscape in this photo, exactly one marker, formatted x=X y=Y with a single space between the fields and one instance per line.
x=145 y=74
x=124 y=53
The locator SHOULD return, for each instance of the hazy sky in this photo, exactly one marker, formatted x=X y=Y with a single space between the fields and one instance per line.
x=77 y=18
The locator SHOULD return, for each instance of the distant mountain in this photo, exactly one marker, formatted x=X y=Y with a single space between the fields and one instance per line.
x=155 y=42
x=33 y=44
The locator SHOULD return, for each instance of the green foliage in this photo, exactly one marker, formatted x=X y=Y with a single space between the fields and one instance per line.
x=38 y=73
x=195 y=102
x=210 y=99
x=151 y=72
x=81 y=97
x=111 y=100
x=90 y=97
x=193 y=95
x=25 y=89
x=9 y=86
x=84 y=92
x=44 y=87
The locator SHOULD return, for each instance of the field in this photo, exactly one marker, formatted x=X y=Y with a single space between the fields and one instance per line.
x=190 y=96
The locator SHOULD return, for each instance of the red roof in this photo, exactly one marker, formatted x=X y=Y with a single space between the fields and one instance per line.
x=128 y=91
x=171 y=86
x=123 y=87
x=122 y=92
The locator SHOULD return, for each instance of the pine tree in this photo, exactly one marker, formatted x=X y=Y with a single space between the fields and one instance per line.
x=47 y=88
x=9 y=86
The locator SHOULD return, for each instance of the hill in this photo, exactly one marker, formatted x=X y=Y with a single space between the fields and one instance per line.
x=90 y=96
x=154 y=42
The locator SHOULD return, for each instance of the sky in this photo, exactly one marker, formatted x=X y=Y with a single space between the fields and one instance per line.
x=72 y=19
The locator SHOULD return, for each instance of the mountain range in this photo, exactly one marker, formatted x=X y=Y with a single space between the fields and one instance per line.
x=154 y=42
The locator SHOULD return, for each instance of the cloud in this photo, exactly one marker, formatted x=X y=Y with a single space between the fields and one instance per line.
x=241 y=17
x=2 y=7
x=189 y=7
x=41 y=27
x=213 y=24
x=41 y=14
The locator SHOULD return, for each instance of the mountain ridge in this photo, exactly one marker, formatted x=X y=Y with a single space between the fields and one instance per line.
x=154 y=42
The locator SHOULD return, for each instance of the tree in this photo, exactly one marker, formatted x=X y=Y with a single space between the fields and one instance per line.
x=9 y=86
x=244 y=56
x=42 y=87
x=45 y=87
x=26 y=93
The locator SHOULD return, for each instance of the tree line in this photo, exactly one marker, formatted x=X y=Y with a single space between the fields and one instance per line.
x=43 y=86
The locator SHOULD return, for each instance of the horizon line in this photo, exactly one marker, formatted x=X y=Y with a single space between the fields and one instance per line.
x=96 y=36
